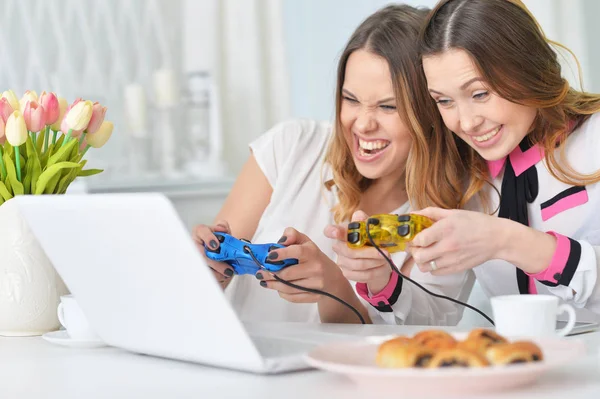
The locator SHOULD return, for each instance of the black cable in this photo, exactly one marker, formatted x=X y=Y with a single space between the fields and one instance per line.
x=311 y=290
x=395 y=270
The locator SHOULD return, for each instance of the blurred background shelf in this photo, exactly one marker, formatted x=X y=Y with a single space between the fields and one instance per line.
x=196 y=200
x=182 y=188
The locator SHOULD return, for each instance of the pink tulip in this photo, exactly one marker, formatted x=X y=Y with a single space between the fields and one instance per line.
x=98 y=113
x=63 y=124
x=2 y=135
x=64 y=127
x=50 y=103
x=5 y=109
x=34 y=115
x=29 y=95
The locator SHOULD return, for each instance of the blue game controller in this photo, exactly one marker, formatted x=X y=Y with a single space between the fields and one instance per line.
x=236 y=254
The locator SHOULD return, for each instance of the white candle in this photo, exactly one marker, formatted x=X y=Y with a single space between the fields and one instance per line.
x=165 y=88
x=136 y=109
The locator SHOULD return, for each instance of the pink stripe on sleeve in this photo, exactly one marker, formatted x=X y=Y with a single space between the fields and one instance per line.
x=558 y=262
x=383 y=296
x=532 y=287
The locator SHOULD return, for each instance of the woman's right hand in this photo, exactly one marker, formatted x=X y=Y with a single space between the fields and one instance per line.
x=204 y=235
x=364 y=265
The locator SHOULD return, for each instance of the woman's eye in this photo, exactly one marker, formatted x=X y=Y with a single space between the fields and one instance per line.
x=443 y=102
x=388 y=107
x=349 y=99
x=480 y=96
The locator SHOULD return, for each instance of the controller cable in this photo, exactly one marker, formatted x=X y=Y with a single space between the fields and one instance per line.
x=395 y=270
x=311 y=290
x=352 y=308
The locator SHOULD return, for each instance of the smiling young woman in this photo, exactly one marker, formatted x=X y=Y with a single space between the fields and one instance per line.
x=512 y=126
x=314 y=177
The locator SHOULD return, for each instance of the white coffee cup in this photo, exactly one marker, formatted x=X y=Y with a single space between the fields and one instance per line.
x=532 y=316
x=73 y=320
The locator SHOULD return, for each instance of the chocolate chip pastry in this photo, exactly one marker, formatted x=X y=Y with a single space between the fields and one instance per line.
x=457 y=358
x=515 y=352
x=435 y=339
x=479 y=340
x=401 y=352
x=437 y=348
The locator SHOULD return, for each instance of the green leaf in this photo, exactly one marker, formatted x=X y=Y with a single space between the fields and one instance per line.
x=66 y=180
x=90 y=172
x=46 y=155
x=58 y=144
x=62 y=154
x=2 y=168
x=30 y=150
x=23 y=152
x=27 y=177
x=17 y=186
x=51 y=185
x=74 y=153
x=49 y=178
x=36 y=171
x=4 y=192
x=8 y=149
x=8 y=186
x=39 y=144
x=34 y=168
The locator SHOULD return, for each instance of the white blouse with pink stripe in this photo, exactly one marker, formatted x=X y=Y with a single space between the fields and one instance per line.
x=570 y=213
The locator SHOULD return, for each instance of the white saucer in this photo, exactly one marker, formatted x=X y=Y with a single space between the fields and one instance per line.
x=61 y=337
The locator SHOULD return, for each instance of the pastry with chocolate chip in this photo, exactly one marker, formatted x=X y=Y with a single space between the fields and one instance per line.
x=513 y=353
x=401 y=352
x=457 y=358
x=435 y=339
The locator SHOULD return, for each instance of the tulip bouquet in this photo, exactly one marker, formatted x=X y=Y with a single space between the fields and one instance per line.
x=43 y=141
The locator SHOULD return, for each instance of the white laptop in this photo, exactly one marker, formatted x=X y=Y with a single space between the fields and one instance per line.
x=143 y=285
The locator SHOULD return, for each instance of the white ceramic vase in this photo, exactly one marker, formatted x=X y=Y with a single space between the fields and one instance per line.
x=30 y=288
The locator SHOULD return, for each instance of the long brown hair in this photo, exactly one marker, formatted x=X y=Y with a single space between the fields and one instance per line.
x=518 y=63
x=391 y=33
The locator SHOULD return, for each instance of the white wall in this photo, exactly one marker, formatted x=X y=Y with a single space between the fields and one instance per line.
x=316 y=32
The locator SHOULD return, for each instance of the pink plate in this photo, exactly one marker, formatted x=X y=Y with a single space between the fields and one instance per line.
x=356 y=360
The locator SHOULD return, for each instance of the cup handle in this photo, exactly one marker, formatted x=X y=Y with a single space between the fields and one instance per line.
x=60 y=311
x=572 y=317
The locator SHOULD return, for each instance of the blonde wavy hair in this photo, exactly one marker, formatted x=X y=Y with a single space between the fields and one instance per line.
x=391 y=33
x=520 y=64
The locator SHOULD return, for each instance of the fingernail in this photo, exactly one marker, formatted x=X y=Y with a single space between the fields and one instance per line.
x=259 y=276
x=228 y=272
x=213 y=244
x=263 y=284
x=282 y=239
x=272 y=255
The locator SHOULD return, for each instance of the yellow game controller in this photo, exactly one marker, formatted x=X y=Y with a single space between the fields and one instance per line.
x=389 y=232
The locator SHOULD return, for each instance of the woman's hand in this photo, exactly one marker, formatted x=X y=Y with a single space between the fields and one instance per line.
x=458 y=240
x=204 y=234
x=363 y=265
x=314 y=269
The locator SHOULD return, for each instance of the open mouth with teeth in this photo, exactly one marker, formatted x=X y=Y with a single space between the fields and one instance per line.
x=486 y=137
x=371 y=147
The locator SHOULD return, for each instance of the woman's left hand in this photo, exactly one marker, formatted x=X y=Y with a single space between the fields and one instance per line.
x=458 y=240
x=314 y=270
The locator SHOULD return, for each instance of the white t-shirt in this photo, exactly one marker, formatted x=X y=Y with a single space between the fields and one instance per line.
x=291 y=156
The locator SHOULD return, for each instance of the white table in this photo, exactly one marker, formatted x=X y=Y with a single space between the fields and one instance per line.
x=33 y=368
